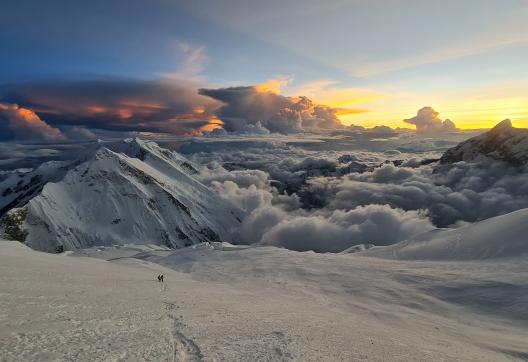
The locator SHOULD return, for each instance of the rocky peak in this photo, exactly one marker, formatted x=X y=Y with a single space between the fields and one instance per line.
x=503 y=142
x=502 y=125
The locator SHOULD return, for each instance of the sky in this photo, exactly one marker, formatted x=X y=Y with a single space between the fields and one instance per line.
x=370 y=62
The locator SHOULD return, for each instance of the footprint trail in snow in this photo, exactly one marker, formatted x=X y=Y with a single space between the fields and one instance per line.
x=184 y=349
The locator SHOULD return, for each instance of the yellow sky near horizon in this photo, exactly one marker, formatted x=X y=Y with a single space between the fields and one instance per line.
x=466 y=113
x=473 y=108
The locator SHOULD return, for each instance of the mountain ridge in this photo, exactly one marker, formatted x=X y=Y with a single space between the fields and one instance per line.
x=129 y=192
x=503 y=143
x=502 y=236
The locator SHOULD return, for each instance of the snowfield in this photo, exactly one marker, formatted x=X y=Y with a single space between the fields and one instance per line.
x=501 y=236
x=228 y=303
x=125 y=212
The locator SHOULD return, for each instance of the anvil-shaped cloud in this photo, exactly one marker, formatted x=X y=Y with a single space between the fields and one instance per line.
x=173 y=105
x=427 y=121
x=164 y=105
x=249 y=108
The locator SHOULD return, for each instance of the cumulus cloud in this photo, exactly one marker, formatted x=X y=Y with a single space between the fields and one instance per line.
x=168 y=105
x=277 y=219
x=463 y=192
x=178 y=105
x=374 y=224
x=290 y=161
x=295 y=195
x=274 y=218
x=22 y=123
x=173 y=104
x=247 y=199
x=427 y=121
x=79 y=133
x=258 y=222
x=257 y=107
x=244 y=178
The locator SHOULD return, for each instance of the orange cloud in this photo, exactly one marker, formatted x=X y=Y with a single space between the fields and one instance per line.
x=470 y=108
x=96 y=109
x=26 y=124
x=343 y=99
x=213 y=124
x=248 y=109
x=168 y=105
x=343 y=112
x=273 y=85
x=330 y=93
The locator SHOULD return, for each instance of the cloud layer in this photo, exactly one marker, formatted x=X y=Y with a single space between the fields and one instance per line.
x=272 y=218
x=323 y=194
x=249 y=109
x=170 y=105
x=294 y=195
x=174 y=105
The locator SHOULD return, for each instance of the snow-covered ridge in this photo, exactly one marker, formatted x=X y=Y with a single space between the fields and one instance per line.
x=129 y=192
x=18 y=187
x=498 y=237
x=503 y=142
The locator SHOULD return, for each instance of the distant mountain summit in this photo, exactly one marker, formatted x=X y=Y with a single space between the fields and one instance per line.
x=503 y=142
x=129 y=192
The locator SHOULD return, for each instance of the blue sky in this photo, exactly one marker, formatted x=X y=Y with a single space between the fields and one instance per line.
x=399 y=49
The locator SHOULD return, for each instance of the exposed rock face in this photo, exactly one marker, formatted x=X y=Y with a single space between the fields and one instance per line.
x=503 y=142
x=12 y=224
x=130 y=192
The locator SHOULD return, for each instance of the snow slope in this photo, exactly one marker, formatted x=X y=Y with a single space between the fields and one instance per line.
x=17 y=188
x=503 y=236
x=130 y=192
x=258 y=304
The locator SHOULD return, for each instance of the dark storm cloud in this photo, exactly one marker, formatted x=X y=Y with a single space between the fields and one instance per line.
x=165 y=105
x=250 y=108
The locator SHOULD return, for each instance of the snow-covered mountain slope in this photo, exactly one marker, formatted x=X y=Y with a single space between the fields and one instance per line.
x=503 y=142
x=130 y=192
x=498 y=237
x=18 y=187
x=258 y=304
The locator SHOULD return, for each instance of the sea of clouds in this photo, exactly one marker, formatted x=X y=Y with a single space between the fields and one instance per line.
x=304 y=180
x=328 y=192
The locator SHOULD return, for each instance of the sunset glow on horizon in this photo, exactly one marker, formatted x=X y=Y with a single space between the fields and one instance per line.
x=355 y=61
x=471 y=109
